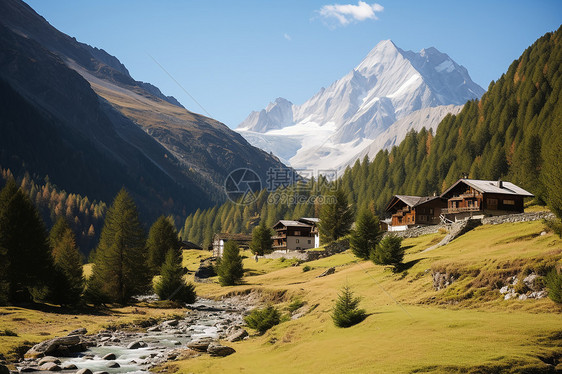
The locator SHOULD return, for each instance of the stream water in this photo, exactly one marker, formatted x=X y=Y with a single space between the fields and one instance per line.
x=205 y=318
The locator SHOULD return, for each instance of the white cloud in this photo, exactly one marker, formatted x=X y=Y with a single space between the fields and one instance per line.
x=345 y=14
x=287 y=36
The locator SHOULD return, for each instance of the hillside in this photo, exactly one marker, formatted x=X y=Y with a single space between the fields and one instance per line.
x=73 y=112
x=411 y=327
x=506 y=134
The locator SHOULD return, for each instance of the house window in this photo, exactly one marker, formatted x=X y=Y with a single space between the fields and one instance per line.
x=509 y=202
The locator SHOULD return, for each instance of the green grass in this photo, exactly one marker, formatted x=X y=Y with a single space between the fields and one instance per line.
x=410 y=327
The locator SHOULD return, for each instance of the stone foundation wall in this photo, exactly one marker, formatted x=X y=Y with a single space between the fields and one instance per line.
x=521 y=217
x=304 y=255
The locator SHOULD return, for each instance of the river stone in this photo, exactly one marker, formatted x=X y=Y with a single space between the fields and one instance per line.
x=113 y=364
x=109 y=356
x=218 y=350
x=68 y=366
x=237 y=335
x=50 y=366
x=136 y=345
x=84 y=371
x=28 y=369
x=80 y=331
x=46 y=359
x=200 y=345
x=51 y=346
x=171 y=323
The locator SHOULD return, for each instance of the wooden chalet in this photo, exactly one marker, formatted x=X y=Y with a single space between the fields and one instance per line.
x=296 y=235
x=242 y=240
x=479 y=198
x=410 y=211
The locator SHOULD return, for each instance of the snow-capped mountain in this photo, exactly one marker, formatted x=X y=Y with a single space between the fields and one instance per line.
x=338 y=123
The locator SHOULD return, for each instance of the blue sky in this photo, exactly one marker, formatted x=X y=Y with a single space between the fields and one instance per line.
x=236 y=56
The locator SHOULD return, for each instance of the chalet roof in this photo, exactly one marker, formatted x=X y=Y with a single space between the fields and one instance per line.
x=309 y=220
x=290 y=223
x=189 y=245
x=411 y=201
x=484 y=186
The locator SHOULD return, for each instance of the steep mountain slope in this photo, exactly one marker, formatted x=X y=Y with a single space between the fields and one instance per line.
x=195 y=153
x=428 y=118
x=346 y=117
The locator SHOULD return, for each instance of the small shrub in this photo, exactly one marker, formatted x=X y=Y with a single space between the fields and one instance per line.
x=263 y=319
x=8 y=332
x=296 y=304
x=346 y=312
x=554 y=285
x=521 y=287
x=306 y=268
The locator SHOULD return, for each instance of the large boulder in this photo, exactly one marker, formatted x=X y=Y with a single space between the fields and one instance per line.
x=200 y=345
x=136 y=345
x=237 y=335
x=46 y=359
x=80 y=331
x=56 y=347
x=50 y=366
x=219 y=350
x=109 y=357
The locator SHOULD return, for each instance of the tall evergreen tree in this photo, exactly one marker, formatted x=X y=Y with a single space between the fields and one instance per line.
x=335 y=218
x=120 y=268
x=24 y=245
x=230 y=268
x=69 y=280
x=389 y=251
x=171 y=285
x=162 y=237
x=366 y=235
x=552 y=175
x=261 y=239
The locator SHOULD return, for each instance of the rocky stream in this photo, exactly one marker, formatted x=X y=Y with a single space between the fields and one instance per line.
x=198 y=332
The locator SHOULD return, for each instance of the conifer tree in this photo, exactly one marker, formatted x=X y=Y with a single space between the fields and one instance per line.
x=346 y=312
x=366 y=235
x=24 y=245
x=171 y=285
x=335 y=218
x=162 y=237
x=69 y=280
x=389 y=251
x=120 y=268
x=261 y=240
x=230 y=268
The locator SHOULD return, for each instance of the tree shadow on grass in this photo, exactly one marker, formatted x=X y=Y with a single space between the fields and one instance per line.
x=406 y=266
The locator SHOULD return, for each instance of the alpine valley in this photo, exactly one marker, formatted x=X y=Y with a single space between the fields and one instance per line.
x=374 y=106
